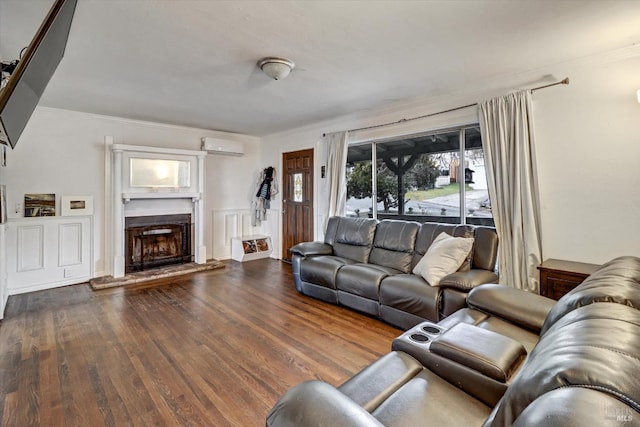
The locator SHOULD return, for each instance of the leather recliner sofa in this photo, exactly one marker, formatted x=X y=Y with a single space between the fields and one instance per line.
x=471 y=369
x=366 y=265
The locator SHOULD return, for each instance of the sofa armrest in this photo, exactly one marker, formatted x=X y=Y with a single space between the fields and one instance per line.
x=466 y=280
x=517 y=306
x=312 y=248
x=316 y=403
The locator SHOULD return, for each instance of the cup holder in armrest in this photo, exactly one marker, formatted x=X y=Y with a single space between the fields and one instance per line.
x=431 y=329
x=417 y=340
x=419 y=337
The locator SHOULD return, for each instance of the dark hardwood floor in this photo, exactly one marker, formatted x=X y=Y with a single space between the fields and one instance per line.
x=215 y=348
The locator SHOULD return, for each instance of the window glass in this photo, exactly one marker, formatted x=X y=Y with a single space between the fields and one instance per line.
x=359 y=181
x=477 y=204
x=297 y=187
x=420 y=177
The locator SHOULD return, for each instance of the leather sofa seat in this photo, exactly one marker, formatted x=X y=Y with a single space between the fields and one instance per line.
x=323 y=270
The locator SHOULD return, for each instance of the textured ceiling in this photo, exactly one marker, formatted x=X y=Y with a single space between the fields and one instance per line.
x=193 y=62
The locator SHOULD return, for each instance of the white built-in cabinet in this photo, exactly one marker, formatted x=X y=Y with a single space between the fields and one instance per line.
x=47 y=252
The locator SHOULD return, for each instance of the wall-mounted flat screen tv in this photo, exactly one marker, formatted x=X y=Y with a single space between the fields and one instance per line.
x=26 y=84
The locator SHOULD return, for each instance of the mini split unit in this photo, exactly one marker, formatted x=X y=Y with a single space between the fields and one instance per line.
x=222 y=146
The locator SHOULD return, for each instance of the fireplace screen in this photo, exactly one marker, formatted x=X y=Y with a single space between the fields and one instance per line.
x=157 y=241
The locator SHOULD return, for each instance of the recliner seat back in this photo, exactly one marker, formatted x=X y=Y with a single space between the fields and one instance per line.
x=351 y=238
x=485 y=248
x=393 y=244
x=594 y=348
x=616 y=281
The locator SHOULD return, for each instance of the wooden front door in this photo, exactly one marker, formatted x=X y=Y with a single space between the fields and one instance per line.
x=297 y=199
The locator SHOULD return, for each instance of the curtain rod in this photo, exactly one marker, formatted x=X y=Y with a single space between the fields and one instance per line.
x=564 y=81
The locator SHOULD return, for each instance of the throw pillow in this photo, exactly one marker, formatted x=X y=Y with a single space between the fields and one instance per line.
x=445 y=256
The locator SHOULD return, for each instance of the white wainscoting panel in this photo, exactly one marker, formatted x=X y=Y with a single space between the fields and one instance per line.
x=69 y=244
x=230 y=223
x=30 y=247
x=4 y=291
x=48 y=252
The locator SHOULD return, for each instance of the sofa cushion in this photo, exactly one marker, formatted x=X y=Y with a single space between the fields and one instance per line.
x=411 y=294
x=445 y=256
x=322 y=270
x=363 y=279
x=393 y=244
x=354 y=238
x=485 y=249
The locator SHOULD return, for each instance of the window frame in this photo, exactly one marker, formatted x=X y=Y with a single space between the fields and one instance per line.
x=461 y=150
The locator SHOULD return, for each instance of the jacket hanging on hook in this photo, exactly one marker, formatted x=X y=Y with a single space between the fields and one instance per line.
x=267 y=188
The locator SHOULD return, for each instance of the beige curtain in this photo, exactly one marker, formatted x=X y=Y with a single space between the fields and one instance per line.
x=506 y=124
x=336 y=149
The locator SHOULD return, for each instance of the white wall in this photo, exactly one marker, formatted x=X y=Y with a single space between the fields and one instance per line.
x=588 y=146
x=588 y=153
x=62 y=152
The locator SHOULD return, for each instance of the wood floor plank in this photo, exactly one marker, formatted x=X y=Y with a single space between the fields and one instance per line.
x=214 y=348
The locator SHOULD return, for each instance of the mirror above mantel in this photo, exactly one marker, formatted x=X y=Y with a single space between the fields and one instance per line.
x=159 y=173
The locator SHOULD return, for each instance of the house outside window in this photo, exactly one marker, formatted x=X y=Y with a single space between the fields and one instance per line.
x=438 y=177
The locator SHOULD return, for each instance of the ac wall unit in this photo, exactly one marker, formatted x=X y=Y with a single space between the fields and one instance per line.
x=222 y=146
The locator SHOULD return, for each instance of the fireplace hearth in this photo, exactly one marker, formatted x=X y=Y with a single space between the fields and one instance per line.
x=157 y=241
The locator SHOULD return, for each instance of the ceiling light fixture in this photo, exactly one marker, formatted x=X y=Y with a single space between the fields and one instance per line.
x=275 y=67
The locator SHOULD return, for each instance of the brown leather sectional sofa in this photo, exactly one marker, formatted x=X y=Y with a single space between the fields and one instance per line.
x=366 y=264
x=510 y=358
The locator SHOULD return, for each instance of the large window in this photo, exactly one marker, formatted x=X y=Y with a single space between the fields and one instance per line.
x=429 y=177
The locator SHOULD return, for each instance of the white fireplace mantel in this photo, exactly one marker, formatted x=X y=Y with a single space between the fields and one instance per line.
x=127 y=197
x=122 y=194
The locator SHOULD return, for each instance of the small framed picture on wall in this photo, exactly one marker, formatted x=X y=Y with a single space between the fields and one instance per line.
x=77 y=205
x=39 y=204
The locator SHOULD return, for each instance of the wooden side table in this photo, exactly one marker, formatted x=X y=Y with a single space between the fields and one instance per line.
x=557 y=277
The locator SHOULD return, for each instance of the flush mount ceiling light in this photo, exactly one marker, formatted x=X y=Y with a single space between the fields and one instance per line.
x=275 y=67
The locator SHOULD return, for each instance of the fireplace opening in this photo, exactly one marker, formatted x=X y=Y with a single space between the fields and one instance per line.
x=157 y=241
